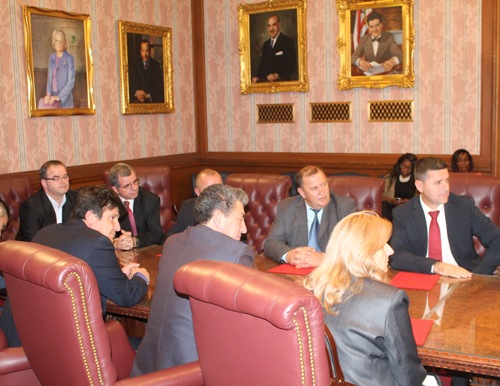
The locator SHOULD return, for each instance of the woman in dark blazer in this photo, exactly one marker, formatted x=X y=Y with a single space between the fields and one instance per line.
x=368 y=318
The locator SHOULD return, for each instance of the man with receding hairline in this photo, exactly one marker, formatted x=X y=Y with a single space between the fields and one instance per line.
x=185 y=218
x=303 y=224
x=51 y=204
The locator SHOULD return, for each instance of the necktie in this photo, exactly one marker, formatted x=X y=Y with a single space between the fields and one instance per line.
x=314 y=232
x=272 y=43
x=131 y=218
x=146 y=66
x=435 y=237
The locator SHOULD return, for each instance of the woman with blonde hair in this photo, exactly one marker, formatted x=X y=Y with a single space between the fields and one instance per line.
x=368 y=318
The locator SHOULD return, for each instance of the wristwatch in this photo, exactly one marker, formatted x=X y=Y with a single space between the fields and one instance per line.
x=136 y=242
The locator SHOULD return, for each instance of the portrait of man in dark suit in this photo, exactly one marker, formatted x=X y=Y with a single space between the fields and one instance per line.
x=146 y=74
x=274 y=54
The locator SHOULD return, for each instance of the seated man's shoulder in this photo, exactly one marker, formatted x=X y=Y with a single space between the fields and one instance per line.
x=148 y=195
x=290 y=202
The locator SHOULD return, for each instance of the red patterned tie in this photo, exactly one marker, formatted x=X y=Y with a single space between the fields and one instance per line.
x=435 y=238
x=131 y=218
x=146 y=66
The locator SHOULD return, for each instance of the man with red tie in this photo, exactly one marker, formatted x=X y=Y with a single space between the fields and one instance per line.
x=141 y=224
x=432 y=233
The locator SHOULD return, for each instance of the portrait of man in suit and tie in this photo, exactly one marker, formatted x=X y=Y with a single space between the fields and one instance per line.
x=377 y=50
x=274 y=55
x=146 y=73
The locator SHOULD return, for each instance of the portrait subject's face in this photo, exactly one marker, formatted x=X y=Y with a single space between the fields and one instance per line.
x=375 y=27
x=145 y=54
x=273 y=26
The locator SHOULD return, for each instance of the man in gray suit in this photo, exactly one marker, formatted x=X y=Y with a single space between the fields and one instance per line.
x=169 y=340
x=289 y=240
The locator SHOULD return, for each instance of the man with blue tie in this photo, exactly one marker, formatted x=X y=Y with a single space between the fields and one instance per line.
x=304 y=223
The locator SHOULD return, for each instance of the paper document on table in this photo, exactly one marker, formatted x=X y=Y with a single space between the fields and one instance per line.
x=376 y=69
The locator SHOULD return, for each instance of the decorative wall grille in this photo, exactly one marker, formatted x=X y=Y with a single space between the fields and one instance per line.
x=390 y=111
x=276 y=113
x=331 y=112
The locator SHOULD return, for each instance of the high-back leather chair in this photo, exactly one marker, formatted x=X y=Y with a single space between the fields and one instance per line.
x=485 y=191
x=253 y=328
x=15 y=369
x=366 y=191
x=14 y=189
x=264 y=191
x=57 y=309
x=156 y=179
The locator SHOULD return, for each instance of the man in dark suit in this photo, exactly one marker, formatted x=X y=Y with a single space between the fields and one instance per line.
x=88 y=236
x=50 y=205
x=377 y=46
x=292 y=239
x=140 y=223
x=185 y=218
x=146 y=78
x=169 y=340
x=442 y=245
x=278 y=61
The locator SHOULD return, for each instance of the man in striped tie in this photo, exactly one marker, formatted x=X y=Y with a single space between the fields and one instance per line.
x=141 y=224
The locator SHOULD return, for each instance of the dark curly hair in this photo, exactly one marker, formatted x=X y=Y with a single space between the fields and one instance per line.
x=454 y=160
x=96 y=199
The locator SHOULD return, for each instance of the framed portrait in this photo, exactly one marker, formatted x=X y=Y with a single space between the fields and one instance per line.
x=59 y=66
x=376 y=43
x=272 y=45
x=145 y=68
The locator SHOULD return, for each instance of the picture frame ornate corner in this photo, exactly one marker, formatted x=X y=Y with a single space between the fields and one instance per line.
x=157 y=37
x=346 y=79
x=246 y=36
x=74 y=77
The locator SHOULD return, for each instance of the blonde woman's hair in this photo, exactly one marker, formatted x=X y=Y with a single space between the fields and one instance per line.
x=349 y=258
x=61 y=33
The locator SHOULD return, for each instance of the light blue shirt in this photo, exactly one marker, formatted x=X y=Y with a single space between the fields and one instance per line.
x=310 y=219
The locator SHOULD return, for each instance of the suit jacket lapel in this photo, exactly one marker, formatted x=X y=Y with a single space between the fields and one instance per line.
x=300 y=214
x=420 y=225
x=328 y=213
x=48 y=209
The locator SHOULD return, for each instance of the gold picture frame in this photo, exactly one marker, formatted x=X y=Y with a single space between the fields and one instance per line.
x=145 y=90
x=289 y=51
x=399 y=13
x=70 y=92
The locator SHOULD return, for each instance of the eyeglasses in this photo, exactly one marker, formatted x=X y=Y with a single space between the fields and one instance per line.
x=129 y=186
x=57 y=178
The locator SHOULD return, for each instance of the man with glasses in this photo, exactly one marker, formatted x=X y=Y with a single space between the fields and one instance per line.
x=52 y=204
x=141 y=224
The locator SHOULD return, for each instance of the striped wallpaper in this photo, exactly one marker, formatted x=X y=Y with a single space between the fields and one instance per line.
x=26 y=143
x=446 y=93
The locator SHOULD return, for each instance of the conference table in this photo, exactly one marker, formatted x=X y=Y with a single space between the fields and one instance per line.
x=465 y=335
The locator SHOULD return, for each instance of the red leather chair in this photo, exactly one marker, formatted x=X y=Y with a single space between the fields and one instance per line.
x=156 y=179
x=14 y=189
x=264 y=192
x=15 y=369
x=366 y=191
x=253 y=328
x=485 y=191
x=56 y=305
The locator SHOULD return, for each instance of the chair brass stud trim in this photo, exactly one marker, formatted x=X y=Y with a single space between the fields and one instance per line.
x=78 y=329
x=331 y=112
x=390 y=111
x=309 y=343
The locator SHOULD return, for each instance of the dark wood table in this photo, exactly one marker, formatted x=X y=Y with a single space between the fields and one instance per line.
x=464 y=337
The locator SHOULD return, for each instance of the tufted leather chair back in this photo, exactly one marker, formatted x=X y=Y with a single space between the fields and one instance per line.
x=156 y=179
x=243 y=317
x=264 y=192
x=366 y=191
x=14 y=189
x=485 y=191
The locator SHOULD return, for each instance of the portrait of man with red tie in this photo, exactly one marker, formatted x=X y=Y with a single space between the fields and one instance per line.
x=146 y=76
x=432 y=233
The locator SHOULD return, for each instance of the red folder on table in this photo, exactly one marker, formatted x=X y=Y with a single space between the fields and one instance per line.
x=421 y=329
x=291 y=270
x=410 y=280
